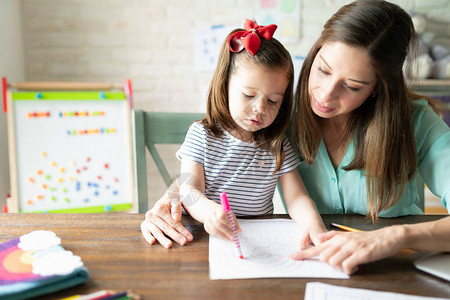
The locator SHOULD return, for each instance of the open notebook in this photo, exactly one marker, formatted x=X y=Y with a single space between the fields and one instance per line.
x=266 y=246
x=437 y=264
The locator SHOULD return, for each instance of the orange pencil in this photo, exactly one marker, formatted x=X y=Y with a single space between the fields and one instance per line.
x=346 y=228
x=343 y=227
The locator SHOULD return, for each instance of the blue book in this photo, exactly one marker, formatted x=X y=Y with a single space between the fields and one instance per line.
x=36 y=264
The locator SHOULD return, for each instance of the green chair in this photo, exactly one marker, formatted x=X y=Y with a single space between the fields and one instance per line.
x=152 y=128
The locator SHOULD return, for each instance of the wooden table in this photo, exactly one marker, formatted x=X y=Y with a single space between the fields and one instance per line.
x=117 y=257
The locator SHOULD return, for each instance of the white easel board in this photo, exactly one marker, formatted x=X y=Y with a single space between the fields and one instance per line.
x=70 y=152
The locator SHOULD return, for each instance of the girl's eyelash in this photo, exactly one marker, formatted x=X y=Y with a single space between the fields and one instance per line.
x=323 y=71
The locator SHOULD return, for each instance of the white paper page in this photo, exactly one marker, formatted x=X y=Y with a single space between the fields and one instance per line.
x=322 y=291
x=266 y=246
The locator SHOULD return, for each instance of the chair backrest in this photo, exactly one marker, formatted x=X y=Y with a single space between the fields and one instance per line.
x=153 y=128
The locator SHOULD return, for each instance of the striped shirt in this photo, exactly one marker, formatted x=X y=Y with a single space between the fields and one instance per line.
x=239 y=168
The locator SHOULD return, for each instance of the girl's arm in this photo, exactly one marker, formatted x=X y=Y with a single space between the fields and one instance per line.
x=301 y=208
x=192 y=194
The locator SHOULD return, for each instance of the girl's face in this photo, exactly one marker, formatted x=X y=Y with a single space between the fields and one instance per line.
x=255 y=95
x=341 y=79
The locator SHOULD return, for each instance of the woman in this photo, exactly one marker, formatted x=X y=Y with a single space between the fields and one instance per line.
x=361 y=132
x=363 y=136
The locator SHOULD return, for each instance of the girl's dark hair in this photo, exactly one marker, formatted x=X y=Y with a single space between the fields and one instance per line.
x=271 y=56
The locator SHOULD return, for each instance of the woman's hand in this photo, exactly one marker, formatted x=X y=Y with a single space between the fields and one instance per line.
x=347 y=250
x=164 y=220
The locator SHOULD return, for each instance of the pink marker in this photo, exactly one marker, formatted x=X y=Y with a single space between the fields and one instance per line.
x=226 y=208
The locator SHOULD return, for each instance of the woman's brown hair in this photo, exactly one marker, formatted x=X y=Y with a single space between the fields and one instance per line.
x=382 y=126
x=271 y=56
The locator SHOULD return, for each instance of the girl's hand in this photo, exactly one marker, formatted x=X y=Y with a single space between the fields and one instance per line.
x=310 y=235
x=217 y=223
x=347 y=250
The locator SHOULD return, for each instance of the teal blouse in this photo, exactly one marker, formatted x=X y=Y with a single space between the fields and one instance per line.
x=336 y=191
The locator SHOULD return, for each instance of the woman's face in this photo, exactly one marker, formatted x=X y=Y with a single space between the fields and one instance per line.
x=341 y=79
x=255 y=95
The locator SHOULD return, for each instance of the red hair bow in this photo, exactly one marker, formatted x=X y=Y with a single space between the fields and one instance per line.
x=249 y=38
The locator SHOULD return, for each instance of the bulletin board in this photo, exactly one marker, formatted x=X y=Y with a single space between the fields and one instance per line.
x=70 y=151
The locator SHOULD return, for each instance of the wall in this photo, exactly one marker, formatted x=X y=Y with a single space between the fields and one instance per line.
x=150 y=42
x=11 y=67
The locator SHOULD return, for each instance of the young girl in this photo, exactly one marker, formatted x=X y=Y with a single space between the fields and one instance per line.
x=240 y=147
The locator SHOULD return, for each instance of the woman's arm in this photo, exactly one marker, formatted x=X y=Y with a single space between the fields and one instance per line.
x=428 y=236
x=163 y=220
x=347 y=250
x=432 y=136
x=301 y=208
